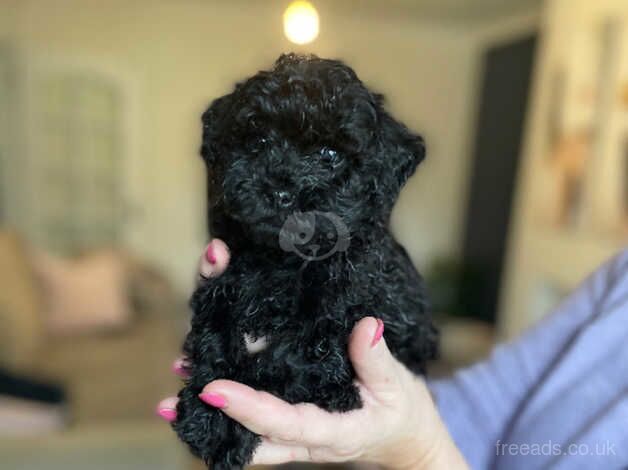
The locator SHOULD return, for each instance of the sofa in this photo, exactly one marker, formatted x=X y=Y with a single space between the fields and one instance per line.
x=107 y=374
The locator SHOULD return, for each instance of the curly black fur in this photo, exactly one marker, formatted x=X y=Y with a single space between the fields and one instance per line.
x=303 y=160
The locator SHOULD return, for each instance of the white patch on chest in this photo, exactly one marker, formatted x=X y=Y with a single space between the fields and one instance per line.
x=253 y=347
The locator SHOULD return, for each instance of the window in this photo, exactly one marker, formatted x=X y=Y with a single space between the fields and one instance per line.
x=75 y=161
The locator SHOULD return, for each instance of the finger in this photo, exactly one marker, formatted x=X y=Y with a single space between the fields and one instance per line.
x=267 y=415
x=374 y=365
x=215 y=259
x=180 y=368
x=271 y=453
x=167 y=408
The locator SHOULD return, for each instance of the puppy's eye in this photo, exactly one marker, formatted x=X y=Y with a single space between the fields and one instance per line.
x=258 y=144
x=330 y=157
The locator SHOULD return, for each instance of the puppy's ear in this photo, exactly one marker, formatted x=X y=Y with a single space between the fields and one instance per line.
x=401 y=151
x=214 y=124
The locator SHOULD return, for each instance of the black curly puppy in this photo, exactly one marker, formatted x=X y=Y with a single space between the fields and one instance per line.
x=305 y=166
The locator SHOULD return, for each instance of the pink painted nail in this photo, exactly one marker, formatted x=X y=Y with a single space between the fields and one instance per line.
x=209 y=254
x=168 y=414
x=213 y=399
x=379 y=332
x=179 y=368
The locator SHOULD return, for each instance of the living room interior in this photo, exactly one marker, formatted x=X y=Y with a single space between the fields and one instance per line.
x=103 y=209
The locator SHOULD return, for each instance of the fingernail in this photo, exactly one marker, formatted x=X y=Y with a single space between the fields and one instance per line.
x=213 y=399
x=209 y=254
x=379 y=332
x=168 y=414
x=179 y=368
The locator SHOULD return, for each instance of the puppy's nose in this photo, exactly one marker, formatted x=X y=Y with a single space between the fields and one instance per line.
x=283 y=199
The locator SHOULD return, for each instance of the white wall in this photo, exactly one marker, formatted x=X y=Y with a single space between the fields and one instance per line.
x=179 y=54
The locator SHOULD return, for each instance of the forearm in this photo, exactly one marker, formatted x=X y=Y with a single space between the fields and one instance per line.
x=478 y=403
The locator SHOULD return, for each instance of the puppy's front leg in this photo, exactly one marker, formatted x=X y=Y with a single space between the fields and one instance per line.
x=222 y=443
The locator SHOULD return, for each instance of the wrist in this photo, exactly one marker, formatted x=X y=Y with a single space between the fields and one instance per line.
x=412 y=453
x=443 y=454
x=425 y=443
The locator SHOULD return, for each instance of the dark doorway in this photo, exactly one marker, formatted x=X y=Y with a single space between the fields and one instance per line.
x=497 y=148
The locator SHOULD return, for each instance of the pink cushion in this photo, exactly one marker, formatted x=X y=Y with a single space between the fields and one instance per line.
x=86 y=294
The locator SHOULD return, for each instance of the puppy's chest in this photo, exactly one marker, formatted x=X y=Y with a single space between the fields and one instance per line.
x=253 y=344
x=282 y=306
x=282 y=319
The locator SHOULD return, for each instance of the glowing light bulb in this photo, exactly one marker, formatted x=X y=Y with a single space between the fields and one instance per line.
x=300 y=22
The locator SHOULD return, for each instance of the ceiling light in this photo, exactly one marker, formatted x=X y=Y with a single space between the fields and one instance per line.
x=300 y=22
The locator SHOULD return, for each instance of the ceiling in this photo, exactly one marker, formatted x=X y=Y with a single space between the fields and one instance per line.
x=473 y=11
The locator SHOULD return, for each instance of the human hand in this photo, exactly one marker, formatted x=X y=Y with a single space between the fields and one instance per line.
x=397 y=427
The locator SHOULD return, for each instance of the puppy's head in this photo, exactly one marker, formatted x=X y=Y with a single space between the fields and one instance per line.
x=305 y=136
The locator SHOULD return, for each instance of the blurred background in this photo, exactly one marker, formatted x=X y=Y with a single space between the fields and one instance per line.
x=523 y=103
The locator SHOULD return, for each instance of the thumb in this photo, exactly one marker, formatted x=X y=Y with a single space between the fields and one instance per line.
x=374 y=365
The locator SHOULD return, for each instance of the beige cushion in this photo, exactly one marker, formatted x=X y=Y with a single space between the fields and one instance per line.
x=84 y=295
x=20 y=321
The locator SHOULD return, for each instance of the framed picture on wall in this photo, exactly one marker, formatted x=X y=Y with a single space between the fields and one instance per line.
x=579 y=128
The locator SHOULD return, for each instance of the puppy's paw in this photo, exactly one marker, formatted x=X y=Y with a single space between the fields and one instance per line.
x=219 y=441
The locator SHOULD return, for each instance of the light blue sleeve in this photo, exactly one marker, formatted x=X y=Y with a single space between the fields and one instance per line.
x=554 y=383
